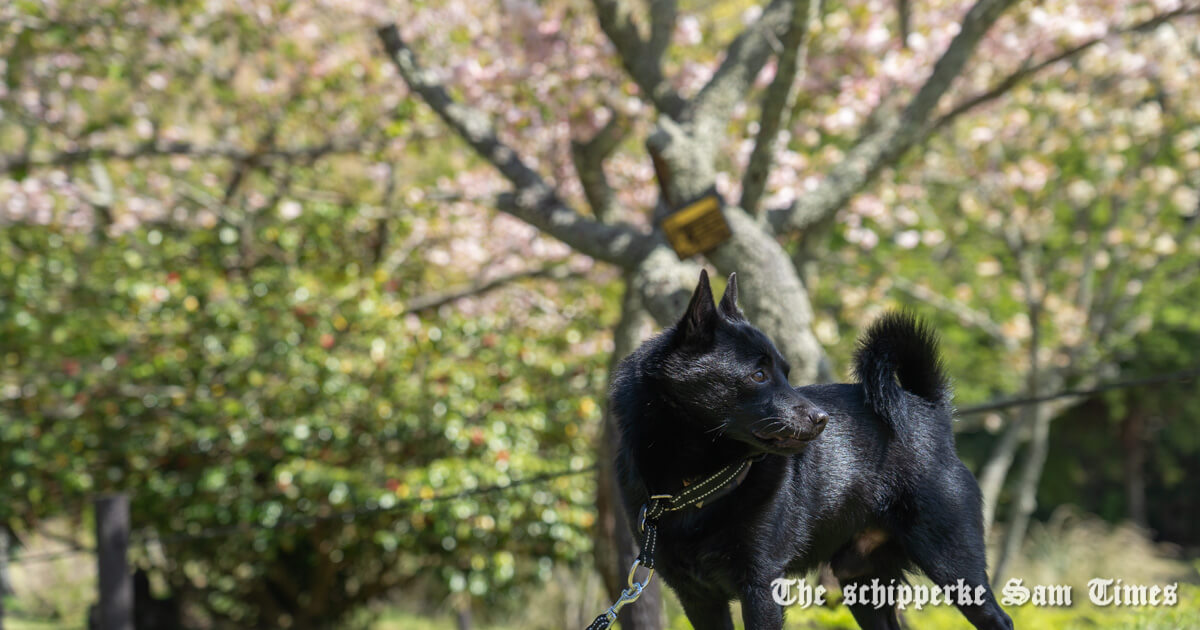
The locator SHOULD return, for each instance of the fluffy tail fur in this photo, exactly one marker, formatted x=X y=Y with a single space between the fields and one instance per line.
x=896 y=360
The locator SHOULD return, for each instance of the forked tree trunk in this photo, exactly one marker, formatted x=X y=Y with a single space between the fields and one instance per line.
x=995 y=470
x=1037 y=418
x=1026 y=493
x=615 y=547
x=686 y=144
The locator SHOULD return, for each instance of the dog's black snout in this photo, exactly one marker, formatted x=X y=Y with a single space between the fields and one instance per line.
x=816 y=417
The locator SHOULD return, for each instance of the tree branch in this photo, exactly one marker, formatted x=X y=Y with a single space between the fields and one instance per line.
x=532 y=200
x=220 y=151
x=894 y=137
x=708 y=112
x=433 y=301
x=773 y=295
x=1029 y=68
x=642 y=59
x=664 y=283
x=779 y=100
x=963 y=312
x=589 y=158
x=663 y=14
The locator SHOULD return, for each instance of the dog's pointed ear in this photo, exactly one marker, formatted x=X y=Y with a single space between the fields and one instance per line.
x=729 y=306
x=700 y=319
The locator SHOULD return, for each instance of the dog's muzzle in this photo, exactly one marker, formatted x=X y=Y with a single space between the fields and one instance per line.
x=810 y=423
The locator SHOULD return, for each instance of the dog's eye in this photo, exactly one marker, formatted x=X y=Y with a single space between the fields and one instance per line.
x=759 y=377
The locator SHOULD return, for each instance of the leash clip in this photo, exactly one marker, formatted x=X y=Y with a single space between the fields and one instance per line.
x=637 y=562
x=631 y=594
x=628 y=596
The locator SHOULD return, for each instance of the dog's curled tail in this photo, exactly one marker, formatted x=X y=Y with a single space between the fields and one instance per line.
x=896 y=359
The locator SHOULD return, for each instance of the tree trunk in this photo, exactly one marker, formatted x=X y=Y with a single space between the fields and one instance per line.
x=1133 y=444
x=615 y=547
x=995 y=470
x=685 y=146
x=773 y=296
x=771 y=291
x=3 y=570
x=462 y=616
x=1026 y=494
x=1031 y=473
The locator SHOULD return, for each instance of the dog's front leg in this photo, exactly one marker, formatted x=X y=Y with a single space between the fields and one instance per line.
x=759 y=610
x=707 y=610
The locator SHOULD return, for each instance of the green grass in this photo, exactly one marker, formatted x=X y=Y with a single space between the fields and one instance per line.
x=29 y=624
x=1083 y=615
x=401 y=620
x=1070 y=548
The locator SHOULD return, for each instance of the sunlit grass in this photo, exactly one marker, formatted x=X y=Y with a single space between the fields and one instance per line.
x=28 y=624
x=1081 y=616
x=1186 y=614
x=1070 y=548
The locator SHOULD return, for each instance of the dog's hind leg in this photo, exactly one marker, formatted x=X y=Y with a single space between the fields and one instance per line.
x=958 y=558
x=868 y=615
x=945 y=539
x=955 y=559
x=866 y=566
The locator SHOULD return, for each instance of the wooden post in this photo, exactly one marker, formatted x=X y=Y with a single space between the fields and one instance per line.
x=3 y=570
x=112 y=544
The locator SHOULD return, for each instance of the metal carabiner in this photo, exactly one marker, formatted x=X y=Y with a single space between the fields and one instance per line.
x=628 y=596
x=637 y=562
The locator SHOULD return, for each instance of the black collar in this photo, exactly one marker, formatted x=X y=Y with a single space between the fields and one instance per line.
x=694 y=494
x=697 y=493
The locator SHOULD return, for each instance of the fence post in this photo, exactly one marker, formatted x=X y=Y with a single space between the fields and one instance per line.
x=112 y=543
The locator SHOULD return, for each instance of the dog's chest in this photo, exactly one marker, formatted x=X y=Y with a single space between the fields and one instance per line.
x=710 y=555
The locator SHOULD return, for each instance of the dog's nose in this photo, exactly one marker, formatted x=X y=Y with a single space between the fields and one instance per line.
x=819 y=419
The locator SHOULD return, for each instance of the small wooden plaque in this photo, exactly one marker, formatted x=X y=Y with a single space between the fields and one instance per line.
x=697 y=227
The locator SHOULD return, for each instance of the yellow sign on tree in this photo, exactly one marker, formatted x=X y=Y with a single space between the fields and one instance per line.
x=697 y=227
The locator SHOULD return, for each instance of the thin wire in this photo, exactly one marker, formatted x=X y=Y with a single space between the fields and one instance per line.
x=148 y=535
x=145 y=536
x=1157 y=379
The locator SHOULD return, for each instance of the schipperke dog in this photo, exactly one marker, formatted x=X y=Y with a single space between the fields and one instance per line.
x=861 y=475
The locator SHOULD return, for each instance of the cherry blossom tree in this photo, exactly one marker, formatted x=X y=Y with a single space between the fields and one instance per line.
x=970 y=157
x=795 y=61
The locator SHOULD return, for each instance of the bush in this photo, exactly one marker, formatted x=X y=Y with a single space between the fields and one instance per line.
x=241 y=407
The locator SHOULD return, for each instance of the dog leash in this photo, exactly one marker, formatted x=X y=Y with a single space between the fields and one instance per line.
x=711 y=488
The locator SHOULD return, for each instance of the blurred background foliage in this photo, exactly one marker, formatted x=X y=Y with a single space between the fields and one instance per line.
x=248 y=279
x=230 y=398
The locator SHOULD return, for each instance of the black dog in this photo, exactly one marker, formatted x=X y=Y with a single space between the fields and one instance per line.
x=881 y=492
